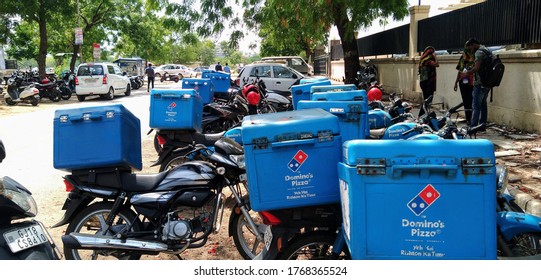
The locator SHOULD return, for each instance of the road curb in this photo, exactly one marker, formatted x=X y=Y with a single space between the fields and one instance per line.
x=526 y=202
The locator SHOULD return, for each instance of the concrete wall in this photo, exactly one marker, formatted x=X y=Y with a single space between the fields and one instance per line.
x=517 y=101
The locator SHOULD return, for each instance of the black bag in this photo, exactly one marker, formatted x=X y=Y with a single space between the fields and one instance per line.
x=492 y=69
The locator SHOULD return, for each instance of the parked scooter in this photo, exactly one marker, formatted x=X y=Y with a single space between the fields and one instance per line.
x=170 y=77
x=18 y=93
x=20 y=237
x=115 y=213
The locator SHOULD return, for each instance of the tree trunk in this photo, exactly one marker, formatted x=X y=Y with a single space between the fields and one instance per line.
x=349 y=43
x=76 y=50
x=42 y=55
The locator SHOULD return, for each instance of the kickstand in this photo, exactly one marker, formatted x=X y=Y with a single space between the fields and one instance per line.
x=179 y=257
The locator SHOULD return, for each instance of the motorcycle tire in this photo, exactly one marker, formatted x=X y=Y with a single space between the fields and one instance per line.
x=173 y=160
x=55 y=96
x=157 y=145
x=66 y=93
x=10 y=101
x=91 y=220
x=525 y=244
x=34 y=101
x=243 y=236
x=313 y=245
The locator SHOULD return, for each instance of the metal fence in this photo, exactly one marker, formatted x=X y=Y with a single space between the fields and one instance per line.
x=493 y=22
x=320 y=64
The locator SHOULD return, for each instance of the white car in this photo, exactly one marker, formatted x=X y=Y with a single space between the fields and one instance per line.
x=179 y=69
x=277 y=77
x=103 y=79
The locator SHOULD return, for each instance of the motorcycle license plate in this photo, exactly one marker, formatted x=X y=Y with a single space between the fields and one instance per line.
x=268 y=237
x=25 y=238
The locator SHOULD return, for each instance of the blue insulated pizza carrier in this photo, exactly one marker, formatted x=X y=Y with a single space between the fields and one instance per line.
x=177 y=109
x=416 y=200
x=93 y=137
x=352 y=116
x=291 y=158
x=220 y=80
x=203 y=87
x=302 y=91
x=333 y=88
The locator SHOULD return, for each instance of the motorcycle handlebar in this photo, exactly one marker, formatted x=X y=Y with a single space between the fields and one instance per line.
x=454 y=109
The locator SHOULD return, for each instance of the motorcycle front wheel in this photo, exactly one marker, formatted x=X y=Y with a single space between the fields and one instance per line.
x=314 y=245
x=55 y=96
x=526 y=244
x=92 y=221
x=66 y=93
x=244 y=237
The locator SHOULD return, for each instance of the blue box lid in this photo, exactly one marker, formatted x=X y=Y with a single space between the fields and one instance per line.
x=348 y=87
x=305 y=88
x=414 y=152
x=359 y=95
x=93 y=112
x=196 y=81
x=174 y=94
x=289 y=125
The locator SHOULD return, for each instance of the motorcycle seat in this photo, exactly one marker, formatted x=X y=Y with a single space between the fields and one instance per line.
x=207 y=139
x=141 y=182
x=377 y=133
x=45 y=85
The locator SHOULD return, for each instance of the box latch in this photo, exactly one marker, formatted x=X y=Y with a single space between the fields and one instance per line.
x=325 y=136
x=371 y=166
x=260 y=143
x=477 y=166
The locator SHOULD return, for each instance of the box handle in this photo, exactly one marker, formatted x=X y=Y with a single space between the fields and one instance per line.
x=82 y=118
x=293 y=143
x=424 y=170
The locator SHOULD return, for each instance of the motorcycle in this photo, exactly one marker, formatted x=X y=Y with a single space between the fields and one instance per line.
x=173 y=145
x=170 y=77
x=135 y=82
x=115 y=213
x=22 y=239
x=16 y=92
x=48 y=89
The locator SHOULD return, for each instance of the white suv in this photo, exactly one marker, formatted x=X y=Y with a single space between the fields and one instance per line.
x=103 y=79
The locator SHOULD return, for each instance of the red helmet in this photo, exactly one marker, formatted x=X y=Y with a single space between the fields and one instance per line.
x=247 y=88
x=253 y=98
x=45 y=80
x=374 y=93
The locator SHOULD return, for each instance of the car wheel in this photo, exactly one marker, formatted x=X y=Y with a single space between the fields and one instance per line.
x=157 y=76
x=128 y=90
x=180 y=76
x=111 y=94
x=81 y=98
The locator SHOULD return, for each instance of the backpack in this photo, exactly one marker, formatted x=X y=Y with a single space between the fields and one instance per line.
x=491 y=72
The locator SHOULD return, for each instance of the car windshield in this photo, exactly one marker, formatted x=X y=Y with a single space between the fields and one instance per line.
x=90 y=70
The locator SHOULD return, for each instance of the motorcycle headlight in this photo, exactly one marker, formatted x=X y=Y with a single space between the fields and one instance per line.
x=502 y=177
x=16 y=193
x=239 y=160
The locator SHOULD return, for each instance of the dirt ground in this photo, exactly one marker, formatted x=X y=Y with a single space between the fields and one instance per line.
x=524 y=169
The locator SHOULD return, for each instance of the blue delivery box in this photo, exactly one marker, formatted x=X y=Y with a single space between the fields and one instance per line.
x=220 y=80
x=176 y=109
x=95 y=137
x=419 y=199
x=291 y=158
x=203 y=87
x=302 y=91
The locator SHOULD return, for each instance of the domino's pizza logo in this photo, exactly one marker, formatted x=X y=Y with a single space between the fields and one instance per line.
x=423 y=200
x=296 y=162
x=172 y=106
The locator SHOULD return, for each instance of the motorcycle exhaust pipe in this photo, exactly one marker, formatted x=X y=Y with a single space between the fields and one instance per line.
x=96 y=242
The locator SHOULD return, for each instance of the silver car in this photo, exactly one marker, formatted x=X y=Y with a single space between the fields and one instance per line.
x=277 y=77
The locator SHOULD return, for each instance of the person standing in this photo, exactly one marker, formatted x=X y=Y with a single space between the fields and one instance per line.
x=479 y=93
x=149 y=72
x=227 y=69
x=465 y=81
x=427 y=74
x=218 y=67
